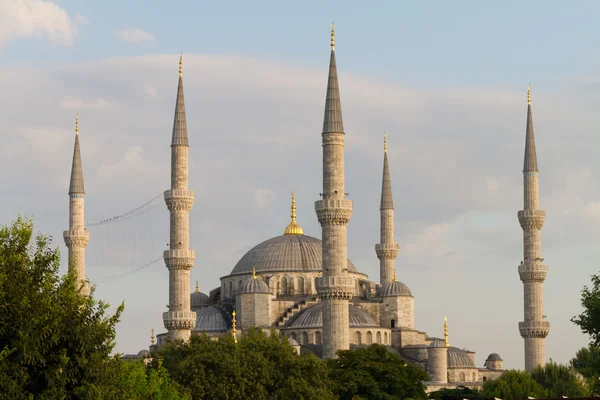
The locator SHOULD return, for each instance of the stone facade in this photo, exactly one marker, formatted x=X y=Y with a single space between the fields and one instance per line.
x=253 y=310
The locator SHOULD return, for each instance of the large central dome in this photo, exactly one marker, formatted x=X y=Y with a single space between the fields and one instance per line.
x=291 y=252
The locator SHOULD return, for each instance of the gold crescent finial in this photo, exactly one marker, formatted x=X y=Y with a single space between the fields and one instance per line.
x=446 y=332
x=152 y=337
x=332 y=36
x=395 y=280
x=385 y=142
x=181 y=64
x=529 y=93
x=293 y=228
x=233 y=326
x=253 y=272
x=197 y=288
x=77 y=124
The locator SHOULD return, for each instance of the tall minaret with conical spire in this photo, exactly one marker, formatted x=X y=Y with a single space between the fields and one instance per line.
x=386 y=250
x=77 y=237
x=335 y=287
x=179 y=320
x=532 y=271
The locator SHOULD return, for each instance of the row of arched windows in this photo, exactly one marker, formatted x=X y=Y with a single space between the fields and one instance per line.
x=369 y=338
x=307 y=338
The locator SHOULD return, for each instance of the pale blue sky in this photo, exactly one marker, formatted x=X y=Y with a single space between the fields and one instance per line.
x=446 y=80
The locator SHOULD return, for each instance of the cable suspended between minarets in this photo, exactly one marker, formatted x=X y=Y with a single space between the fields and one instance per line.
x=532 y=271
x=335 y=287
x=179 y=259
x=77 y=237
x=386 y=249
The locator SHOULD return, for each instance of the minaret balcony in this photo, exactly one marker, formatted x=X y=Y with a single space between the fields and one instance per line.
x=76 y=238
x=340 y=287
x=334 y=211
x=533 y=272
x=179 y=258
x=534 y=329
x=179 y=320
x=179 y=199
x=387 y=251
x=532 y=219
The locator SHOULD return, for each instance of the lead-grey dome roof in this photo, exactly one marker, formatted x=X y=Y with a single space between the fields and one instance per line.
x=254 y=285
x=458 y=358
x=211 y=319
x=494 y=357
x=300 y=253
x=437 y=343
x=198 y=300
x=313 y=318
x=395 y=288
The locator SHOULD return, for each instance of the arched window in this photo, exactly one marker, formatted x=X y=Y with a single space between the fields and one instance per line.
x=304 y=338
x=230 y=289
x=294 y=335
x=393 y=323
x=278 y=291
x=357 y=337
x=462 y=377
x=369 y=337
x=484 y=378
x=378 y=337
x=474 y=377
x=385 y=339
x=317 y=337
x=284 y=286
x=301 y=285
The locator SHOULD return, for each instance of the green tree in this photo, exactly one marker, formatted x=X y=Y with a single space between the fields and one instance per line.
x=375 y=373
x=514 y=385
x=587 y=363
x=259 y=366
x=559 y=380
x=458 y=393
x=138 y=381
x=54 y=343
x=589 y=319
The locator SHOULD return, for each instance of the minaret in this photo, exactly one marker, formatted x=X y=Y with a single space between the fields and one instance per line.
x=77 y=237
x=386 y=250
x=179 y=320
x=335 y=287
x=532 y=271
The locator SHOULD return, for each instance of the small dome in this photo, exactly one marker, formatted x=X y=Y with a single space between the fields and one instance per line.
x=313 y=318
x=395 y=288
x=211 y=319
x=494 y=357
x=437 y=344
x=458 y=358
x=198 y=299
x=254 y=285
x=143 y=353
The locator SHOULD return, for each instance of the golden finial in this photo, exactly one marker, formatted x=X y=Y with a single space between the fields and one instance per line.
x=446 y=332
x=233 y=327
x=293 y=228
x=77 y=124
x=395 y=280
x=197 y=288
x=529 y=93
x=332 y=36
x=152 y=337
x=181 y=64
x=385 y=142
x=253 y=272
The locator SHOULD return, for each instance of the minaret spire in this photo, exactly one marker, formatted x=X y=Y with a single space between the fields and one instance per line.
x=335 y=287
x=293 y=228
x=532 y=271
x=446 y=332
x=386 y=250
x=77 y=237
x=179 y=259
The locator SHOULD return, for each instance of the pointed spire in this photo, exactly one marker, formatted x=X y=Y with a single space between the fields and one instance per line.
x=387 y=202
x=180 y=136
x=197 y=288
x=152 y=337
x=530 y=163
x=446 y=332
x=332 y=122
x=293 y=228
x=233 y=326
x=395 y=279
x=253 y=272
x=76 y=185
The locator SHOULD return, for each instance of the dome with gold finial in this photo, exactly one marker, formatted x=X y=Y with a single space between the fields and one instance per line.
x=254 y=285
x=198 y=299
x=395 y=288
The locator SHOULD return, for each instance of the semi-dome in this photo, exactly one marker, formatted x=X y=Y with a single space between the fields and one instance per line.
x=198 y=299
x=211 y=319
x=437 y=343
x=254 y=285
x=285 y=253
x=494 y=357
x=458 y=358
x=313 y=318
x=395 y=288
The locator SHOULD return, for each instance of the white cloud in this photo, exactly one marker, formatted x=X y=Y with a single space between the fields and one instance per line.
x=131 y=161
x=150 y=91
x=264 y=198
x=73 y=103
x=134 y=35
x=82 y=19
x=35 y=18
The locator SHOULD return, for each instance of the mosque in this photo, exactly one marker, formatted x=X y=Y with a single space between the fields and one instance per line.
x=306 y=288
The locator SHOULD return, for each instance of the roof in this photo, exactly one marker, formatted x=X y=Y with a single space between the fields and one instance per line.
x=211 y=319
x=312 y=317
x=437 y=344
x=254 y=285
x=530 y=163
x=395 y=288
x=458 y=358
x=76 y=184
x=180 y=136
x=198 y=299
x=494 y=357
x=284 y=253
x=332 y=122
x=387 y=202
